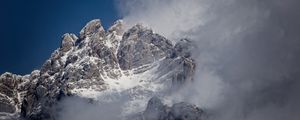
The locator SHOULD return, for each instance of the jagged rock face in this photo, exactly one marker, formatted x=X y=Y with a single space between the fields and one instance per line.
x=141 y=46
x=13 y=88
x=156 y=110
x=183 y=48
x=9 y=97
x=136 y=63
x=93 y=28
x=68 y=41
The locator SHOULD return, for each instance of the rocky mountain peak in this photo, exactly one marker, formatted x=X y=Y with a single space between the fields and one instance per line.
x=68 y=41
x=97 y=65
x=184 y=47
x=156 y=110
x=118 y=27
x=13 y=88
x=92 y=27
x=140 y=46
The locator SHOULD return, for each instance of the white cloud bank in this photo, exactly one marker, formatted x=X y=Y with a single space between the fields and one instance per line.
x=247 y=52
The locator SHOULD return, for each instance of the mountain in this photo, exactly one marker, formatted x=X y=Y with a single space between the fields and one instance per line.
x=103 y=67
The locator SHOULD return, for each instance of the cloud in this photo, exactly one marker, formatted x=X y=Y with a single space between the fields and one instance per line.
x=76 y=108
x=247 y=52
x=166 y=17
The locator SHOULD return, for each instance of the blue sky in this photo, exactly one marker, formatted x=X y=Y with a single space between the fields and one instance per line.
x=31 y=29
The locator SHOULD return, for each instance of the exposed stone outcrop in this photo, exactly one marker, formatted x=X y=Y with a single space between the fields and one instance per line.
x=13 y=88
x=93 y=27
x=156 y=110
x=68 y=41
x=102 y=61
x=140 y=46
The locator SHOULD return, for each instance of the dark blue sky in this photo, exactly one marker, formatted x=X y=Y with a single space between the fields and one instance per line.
x=31 y=29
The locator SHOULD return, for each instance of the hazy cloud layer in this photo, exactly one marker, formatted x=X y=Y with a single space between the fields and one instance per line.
x=167 y=17
x=247 y=54
x=76 y=108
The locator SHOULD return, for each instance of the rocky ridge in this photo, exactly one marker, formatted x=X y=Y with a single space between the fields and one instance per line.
x=97 y=64
x=156 y=110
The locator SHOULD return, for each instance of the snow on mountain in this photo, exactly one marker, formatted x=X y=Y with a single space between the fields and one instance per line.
x=103 y=66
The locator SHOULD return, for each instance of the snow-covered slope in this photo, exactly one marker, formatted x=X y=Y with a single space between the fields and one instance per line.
x=105 y=66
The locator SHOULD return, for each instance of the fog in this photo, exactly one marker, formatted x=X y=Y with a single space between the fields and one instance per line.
x=76 y=108
x=247 y=53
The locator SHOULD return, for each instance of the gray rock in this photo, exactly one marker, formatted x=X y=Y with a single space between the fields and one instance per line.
x=86 y=62
x=12 y=90
x=140 y=46
x=68 y=41
x=92 y=27
x=156 y=110
x=6 y=105
x=41 y=91
x=118 y=27
x=58 y=75
x=183 y=48
x=185 y=111
x=71 y=59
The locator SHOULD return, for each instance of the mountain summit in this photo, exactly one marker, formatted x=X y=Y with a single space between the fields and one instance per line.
x=101 y=67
